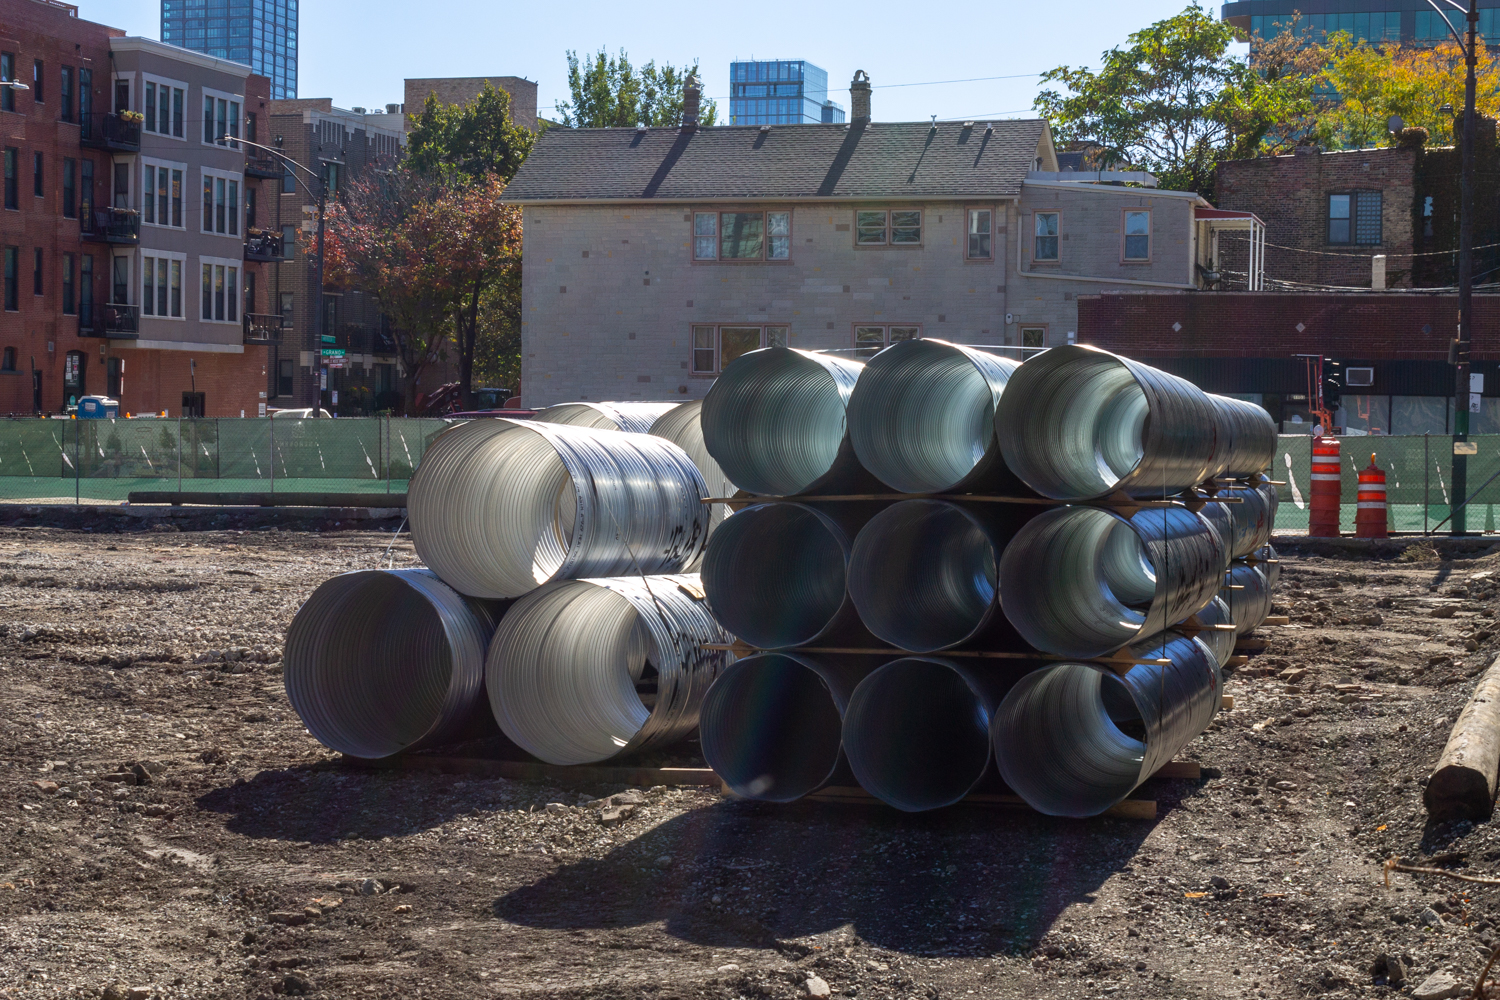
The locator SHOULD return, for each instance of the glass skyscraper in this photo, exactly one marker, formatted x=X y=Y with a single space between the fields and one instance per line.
x=780 y=92
x=1375 y=21
x=260 y=33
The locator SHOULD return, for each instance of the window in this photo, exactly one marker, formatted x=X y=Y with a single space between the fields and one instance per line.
x=1354 y=218
x=331 y=179
x=249 y=208
x=37 y=187
x=12 y=294
x=1033 y=338
x=888 y=228
x=69 y=295
x=250 y=127
x=208 y=119
x=742 y=236
x=221 y=203
x=286 y=309
x=86 y=292
x=178 y=100
x=714 y=347
x=122 y=185
x=8 y=74
x=86 y=189
x=878 y=337
x=65 y=95
x=37 y=288
x=114 y=379
x=284 y=377
x=221 y=118
x=120 y=281
x=980 y=234
x=288 y=242
x=161 y=286
x=85 y=101
x=8 y=362
x=1137 y=235
x=1427 y=216
x=12 y=192
x=161 y=199
x=288 y=180
x=150 y=111
x=1045 y=247
x=38 y=79
x=220 y=291
x=70 y=188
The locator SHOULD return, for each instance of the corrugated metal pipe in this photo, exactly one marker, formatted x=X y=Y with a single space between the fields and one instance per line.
x=635 y=417
x=917 y=730
x=1270 y=564
x=1085 y=581
x=774 y=421
x=1251 y=603
x=1078 y=423
x=771 y=725
x=922 y=418
x=1244 y=438
x=924 y=574
x=1073 y=739
x=1254 y=517
x=585 y=670
x=499 y=507
x=1221 y=644
x=382 y=661
x=776 y=576
x=683 y=426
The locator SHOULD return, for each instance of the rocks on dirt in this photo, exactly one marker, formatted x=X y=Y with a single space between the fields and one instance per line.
x=1393 y=968
x=293 y=985
x=1337 y=977
x=1372 y=618
x=817 y=987
x=46 y=787
x=1438 y=986
x=1430 y=918
x=615 y=809
x=371 y=887
x=288 y=917
x=1293 y=675
x=1445 y=611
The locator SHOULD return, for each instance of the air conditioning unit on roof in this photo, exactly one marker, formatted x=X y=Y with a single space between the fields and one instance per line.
x=1359 y=377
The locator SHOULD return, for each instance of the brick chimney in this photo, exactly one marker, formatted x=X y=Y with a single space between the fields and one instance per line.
x=859 y=97
x=692 y=95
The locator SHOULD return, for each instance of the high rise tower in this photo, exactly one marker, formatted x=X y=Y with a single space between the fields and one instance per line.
x=262 y=34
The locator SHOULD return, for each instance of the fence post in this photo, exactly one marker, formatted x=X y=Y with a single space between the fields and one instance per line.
x=77 y=462
x=179 y=456
x=1426 y=478
x=272 y=421
x=388 y=454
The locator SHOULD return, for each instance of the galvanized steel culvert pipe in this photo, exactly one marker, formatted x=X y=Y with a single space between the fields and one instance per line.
x=683 y=426
x=382 y=661
x=776 y=576
x=1220 y=643
x=1073 y=739
x=774 y=421
x=1078 y=423
x=922 y=417
x=586 y=670
x=1254 y=518
x=771 y=724
x=635 y=417
x=924 y=575
x=1251 y=603
x=1270 y=564
x=917 y=731
x=1084 y=581
x=1244 y=438
x=499 y=507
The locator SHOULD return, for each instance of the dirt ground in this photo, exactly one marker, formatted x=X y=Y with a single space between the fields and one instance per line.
x=250 y=863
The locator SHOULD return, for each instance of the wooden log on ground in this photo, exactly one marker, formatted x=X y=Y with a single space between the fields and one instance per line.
x=1462 y=785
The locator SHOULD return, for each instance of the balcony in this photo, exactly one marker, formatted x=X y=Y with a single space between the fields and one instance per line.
x=265 y=246
x=264 y=328
x=108 y=130
x=113 y=225
x=264 y=166
x=111 y=321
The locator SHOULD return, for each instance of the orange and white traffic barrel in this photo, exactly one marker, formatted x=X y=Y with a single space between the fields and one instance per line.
x=1323 y=510
x=1370 y=515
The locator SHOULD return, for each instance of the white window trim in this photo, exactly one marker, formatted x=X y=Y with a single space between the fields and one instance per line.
x=187 y=109
x=239 y=290
x=221 y=95
x=990 y=257
x=1125 y=214
x=206 y=173
x=169 y=165
x=168 y=255
x=1034 y=237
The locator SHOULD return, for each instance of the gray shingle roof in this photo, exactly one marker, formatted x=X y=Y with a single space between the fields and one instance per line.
x=883 y=160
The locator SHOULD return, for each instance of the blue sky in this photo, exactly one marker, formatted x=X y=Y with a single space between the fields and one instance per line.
x=359 y=51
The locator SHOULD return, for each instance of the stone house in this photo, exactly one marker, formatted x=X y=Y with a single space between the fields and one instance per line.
x=654 y=256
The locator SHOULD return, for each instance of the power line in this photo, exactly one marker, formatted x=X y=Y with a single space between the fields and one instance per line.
x=1358 y=256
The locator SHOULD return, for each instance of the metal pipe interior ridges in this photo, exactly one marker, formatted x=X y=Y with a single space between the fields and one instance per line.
x=1251 y=603
x=922 y=415
x=1078 y=423
x=499 y=507
x=586 y=670
x=382 y=661
x=1074 y=739
x=776 y=575
x=771 y=724
x=683 y=426
x=1220 y=643
x=1244 y=438
x=916 y=732
x=923 y=574
x=1253 y=517
x=635 y=417
x=774 y=420
x=1085 y=581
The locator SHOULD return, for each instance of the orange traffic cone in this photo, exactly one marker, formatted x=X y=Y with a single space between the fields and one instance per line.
x=1370 y=517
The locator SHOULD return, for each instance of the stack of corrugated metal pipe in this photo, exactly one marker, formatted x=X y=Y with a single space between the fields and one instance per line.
x=561 y=599
x=959 y=564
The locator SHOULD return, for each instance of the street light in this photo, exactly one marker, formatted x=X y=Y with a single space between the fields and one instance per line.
x=1458 y=351
x=14 y=84
x=318 y=276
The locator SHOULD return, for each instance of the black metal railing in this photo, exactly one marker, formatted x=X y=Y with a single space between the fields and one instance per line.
x=263 y=246
x=112 y=320
x=263 y=166
x=108 y=130
x=113 y=225
x=264 y=328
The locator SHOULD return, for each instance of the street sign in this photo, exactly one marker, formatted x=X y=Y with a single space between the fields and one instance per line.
x=1466 y=447
x=333 y=352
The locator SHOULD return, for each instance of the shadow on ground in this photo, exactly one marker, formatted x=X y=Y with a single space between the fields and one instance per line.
x=963 y=881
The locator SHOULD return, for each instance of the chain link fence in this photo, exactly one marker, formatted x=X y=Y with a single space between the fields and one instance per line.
x=83 y=461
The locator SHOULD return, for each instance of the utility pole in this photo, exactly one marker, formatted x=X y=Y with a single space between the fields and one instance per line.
x=1458 y=353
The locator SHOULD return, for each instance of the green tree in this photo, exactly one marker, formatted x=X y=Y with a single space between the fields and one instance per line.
x=608 y=93
x=1174 y=100
x=468 y=140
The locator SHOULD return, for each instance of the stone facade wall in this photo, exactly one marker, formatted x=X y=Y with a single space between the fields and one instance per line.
x=463 y=89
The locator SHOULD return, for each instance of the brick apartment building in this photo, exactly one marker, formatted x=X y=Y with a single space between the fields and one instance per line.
x=105 y=118
x=1328 y=214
